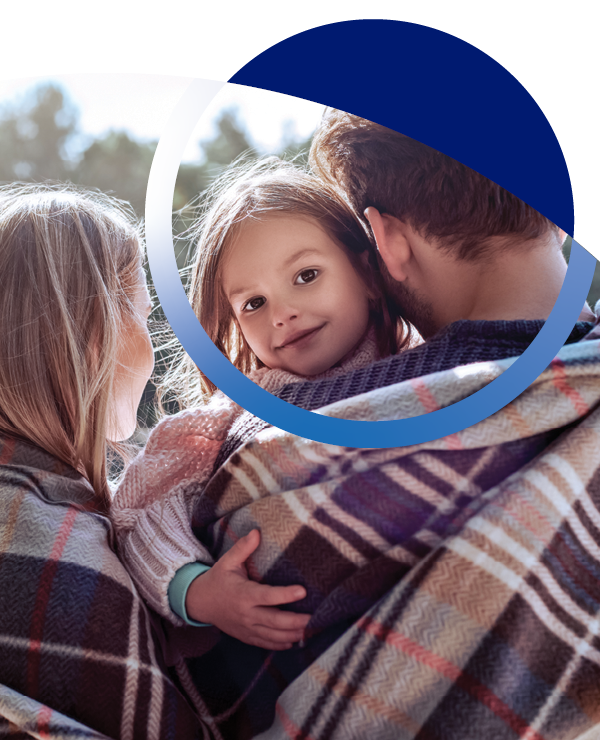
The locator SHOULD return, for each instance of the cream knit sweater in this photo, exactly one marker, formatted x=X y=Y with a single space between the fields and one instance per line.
x=153 y=505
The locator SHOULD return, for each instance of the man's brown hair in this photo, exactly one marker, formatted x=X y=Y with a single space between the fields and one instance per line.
x=440 y=198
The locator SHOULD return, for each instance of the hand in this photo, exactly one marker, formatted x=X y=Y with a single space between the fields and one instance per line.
x=244 y=609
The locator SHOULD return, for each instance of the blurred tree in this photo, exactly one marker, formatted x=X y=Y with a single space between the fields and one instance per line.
x=192 y=179
x=36 y=132
x=117 y=164
x=594 y=293
x=34 y=135
x=230 y=141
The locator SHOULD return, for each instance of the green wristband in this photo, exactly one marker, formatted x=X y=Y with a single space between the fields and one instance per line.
x=178 y=589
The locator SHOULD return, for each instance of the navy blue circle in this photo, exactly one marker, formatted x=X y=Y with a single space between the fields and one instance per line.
x=450 y=95
x=433 y=87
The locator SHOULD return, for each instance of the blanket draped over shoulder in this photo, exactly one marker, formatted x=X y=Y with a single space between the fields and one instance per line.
x=454 y=585
x=78 y=660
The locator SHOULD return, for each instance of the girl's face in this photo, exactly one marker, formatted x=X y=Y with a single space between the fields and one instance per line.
x=134 y=365
x=299 y=302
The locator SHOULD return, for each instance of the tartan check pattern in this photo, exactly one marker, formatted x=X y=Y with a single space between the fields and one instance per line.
x=493 y=635
x=455 y=584
x=77 y=653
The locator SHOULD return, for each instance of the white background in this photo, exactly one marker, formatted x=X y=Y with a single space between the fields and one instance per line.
x=551 y=47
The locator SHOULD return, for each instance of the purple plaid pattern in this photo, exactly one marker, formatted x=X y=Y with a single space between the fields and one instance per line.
x=77 y=654
x=453 y=584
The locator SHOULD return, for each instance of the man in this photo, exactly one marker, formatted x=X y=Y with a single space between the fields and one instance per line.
x=482 y=623
x=434 y=573
x=455 y=245
x=493 y=634
x=474 y=268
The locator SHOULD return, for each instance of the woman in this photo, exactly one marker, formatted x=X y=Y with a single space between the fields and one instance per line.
x=77 y=644
x=77 y=658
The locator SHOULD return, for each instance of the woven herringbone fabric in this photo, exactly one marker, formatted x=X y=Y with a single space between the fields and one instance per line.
x=493 y=635
x=77 y=654
x=153 y=505
x=455 y=585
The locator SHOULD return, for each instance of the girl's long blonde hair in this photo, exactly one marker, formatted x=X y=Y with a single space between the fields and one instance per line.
x=250 y=192
x=69 y=260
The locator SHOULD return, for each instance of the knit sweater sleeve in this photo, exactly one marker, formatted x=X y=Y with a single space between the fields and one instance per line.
x=153 y=505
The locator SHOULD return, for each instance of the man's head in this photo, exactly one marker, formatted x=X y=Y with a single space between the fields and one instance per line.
x=423 y=195
x=442 y=199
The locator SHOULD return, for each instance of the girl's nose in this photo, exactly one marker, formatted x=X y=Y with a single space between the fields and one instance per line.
x=283 y=314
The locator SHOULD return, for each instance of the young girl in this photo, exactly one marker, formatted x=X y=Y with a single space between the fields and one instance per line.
x=287 y=285
x=246 y=206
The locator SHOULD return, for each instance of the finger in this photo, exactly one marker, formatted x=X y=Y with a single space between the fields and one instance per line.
x=271 y=645
x=270 y=596
x=241 y=550
x=277 y=620
x=278 y=636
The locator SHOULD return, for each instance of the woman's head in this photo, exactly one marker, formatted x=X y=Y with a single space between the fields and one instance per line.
x=279 y=254
x=74 y=348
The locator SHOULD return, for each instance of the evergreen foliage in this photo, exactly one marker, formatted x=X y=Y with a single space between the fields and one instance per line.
x=41 y=139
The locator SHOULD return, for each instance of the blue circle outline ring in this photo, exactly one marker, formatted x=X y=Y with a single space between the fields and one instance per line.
x=332 y=430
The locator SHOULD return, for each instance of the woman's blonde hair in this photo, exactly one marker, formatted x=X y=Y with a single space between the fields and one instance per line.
x=69 y=264
x=249 y=192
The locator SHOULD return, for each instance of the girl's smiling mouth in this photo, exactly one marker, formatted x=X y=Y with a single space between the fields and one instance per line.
x=300 y=337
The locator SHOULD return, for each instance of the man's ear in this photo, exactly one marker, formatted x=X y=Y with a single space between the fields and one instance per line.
x=392 y=243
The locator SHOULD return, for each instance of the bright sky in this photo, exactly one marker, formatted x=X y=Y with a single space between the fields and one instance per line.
x=141 y=104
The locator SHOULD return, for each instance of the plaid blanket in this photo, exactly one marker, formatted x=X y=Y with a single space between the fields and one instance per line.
x=78 y=656
x=455 y=585
x=493 y=635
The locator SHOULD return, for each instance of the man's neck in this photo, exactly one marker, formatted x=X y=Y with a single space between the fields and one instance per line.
x=518 y=281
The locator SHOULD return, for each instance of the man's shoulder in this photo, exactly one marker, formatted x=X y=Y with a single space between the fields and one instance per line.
x=460 y=343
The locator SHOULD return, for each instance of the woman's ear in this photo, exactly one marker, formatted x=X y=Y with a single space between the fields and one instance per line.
x=392 y=242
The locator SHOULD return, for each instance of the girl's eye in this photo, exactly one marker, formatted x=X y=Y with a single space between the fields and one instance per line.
x=253 y=304
x=305 y=277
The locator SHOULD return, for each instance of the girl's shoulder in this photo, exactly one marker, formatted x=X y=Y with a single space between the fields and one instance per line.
x=180 y=449
x=210 y=419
